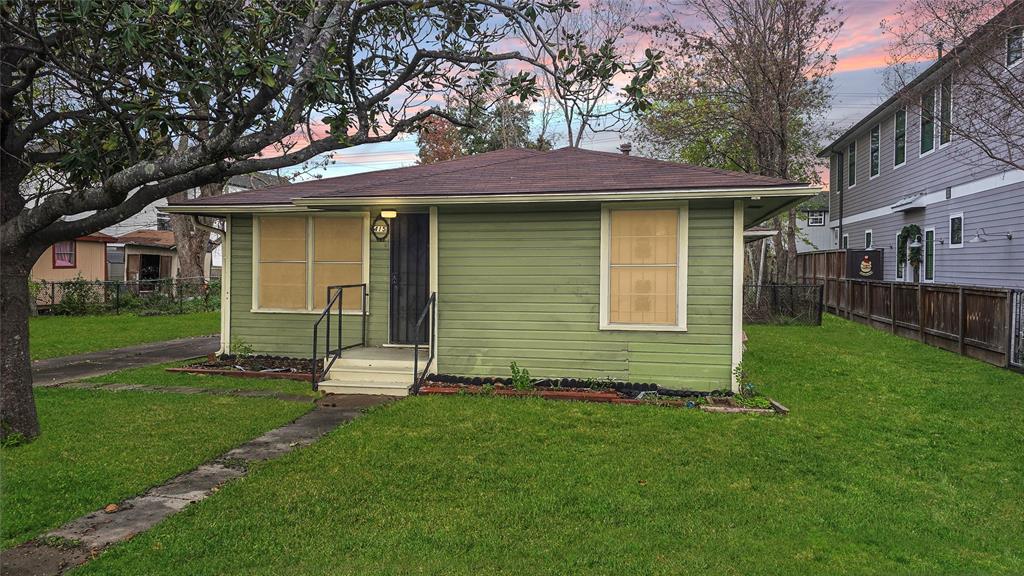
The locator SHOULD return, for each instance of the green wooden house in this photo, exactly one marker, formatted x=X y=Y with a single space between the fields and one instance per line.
x=572 y=263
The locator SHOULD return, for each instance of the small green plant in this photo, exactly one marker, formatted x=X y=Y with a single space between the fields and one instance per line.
x=240 y=347
x=487 y=389
x=12 y=440
x=520 y=377
x=752 y=401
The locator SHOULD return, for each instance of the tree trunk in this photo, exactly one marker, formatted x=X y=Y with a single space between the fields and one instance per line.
x=17 y=403
x=191 y=242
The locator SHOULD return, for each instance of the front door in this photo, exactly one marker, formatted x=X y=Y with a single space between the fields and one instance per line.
x=410 y=277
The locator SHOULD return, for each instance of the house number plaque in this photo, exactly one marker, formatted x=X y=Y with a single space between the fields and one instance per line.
x=380 y=229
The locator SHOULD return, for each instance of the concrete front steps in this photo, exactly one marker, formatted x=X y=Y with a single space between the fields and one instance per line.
x=385 y=371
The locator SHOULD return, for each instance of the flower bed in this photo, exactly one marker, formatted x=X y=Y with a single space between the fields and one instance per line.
x=593 y=391
x=251 y=367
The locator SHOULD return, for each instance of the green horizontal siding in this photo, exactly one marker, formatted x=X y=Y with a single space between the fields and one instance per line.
x=524 y=286
x=292 y=334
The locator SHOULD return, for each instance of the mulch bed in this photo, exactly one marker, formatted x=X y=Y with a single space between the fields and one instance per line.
x=281 y=367
x=588 y=391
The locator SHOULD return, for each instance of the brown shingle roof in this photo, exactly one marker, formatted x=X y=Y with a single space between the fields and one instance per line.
x=154 y=238
x=512 y=171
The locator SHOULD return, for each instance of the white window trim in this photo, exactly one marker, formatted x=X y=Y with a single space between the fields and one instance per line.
x=682 y=268
x=254 y=305
x=816 y=214
x=939 y=103
x=894 y=164
x=959 y=215
x=856 y=160
x=870 y=159
x=1006 y=48
x=920 y=133
x=867 y=246
x=924 y=256
x=899 y=272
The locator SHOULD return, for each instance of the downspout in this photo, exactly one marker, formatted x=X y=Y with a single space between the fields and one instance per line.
x=839 y=188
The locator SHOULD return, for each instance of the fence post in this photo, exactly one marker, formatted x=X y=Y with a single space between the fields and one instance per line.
x=892 y=305
x=1009 y=326
x=920 y=312
x=53 y=293
x=117 y=298
x=962 y=317
x=821 y=302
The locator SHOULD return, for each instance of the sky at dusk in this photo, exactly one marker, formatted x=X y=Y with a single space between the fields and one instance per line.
x=857 y=88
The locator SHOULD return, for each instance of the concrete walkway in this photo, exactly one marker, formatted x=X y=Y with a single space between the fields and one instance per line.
x=55 y=371
x=82 y=539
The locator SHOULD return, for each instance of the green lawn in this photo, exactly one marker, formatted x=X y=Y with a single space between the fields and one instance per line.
x=897 y=458
x=51 y=336
x=101 y=447
x=158 y=376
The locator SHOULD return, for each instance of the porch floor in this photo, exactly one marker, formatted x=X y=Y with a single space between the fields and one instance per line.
x=384 y=353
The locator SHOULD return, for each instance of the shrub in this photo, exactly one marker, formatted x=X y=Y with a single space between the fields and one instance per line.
x=520 y=377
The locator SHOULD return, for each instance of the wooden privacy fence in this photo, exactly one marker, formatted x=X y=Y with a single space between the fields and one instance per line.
x=973 y=321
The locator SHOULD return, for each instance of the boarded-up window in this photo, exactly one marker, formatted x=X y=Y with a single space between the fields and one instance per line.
x=282 y=265
x=643 y=267
x=337 y=259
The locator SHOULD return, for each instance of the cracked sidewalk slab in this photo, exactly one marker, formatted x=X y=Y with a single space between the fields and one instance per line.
x=51 y=554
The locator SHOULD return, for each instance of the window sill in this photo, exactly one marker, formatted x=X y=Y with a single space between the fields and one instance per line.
x=642 y=328
x=309 y=312
x=65 y=267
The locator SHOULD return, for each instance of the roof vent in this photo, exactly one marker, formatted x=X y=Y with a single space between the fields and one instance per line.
x=625 y=148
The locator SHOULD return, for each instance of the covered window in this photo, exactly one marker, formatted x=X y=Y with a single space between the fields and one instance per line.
x=337 y=259
x=876 y=134
x=900 y=138
x=64 y=254
x=643 y=284
x=946 y=110
x=815 y=218
x=929 y=254
x=927 y=121
x=851 y=157
x=1015 y=46
x=299 y=257
x=956 y=231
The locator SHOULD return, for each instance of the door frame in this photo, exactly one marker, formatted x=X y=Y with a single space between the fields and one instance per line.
x=432 y=253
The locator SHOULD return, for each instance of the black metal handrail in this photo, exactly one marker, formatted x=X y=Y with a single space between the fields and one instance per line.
x=431 y=309
x=332 y=354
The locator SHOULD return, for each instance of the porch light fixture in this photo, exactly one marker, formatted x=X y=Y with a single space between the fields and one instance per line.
x=389 y=214
x=916 y=243
x=980 y=234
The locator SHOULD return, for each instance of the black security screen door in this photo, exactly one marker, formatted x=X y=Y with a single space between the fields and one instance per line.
x=410 y=277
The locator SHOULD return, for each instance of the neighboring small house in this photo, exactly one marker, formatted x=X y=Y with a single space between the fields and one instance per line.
x=143 y=255
x=82 y=257
x=572 y=263
x=151 y=224
x=812 y=225
x=902 y=179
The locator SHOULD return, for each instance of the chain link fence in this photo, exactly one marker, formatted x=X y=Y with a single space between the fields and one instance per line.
x=783 y=304
x=159 y=296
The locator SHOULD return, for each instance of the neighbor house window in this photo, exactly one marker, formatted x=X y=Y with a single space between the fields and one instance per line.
x=956 y=231
x=163 y=221
x=946 y=110
x=927 y=121
x=1014 y=46
x=867 y=239
x=852 y=161
x=900 y=138
x=876 y=133
x=815 y=218
x=929 y=254
x=64 y=254
x=643 y=284
x=299 y=257
x=846 y=241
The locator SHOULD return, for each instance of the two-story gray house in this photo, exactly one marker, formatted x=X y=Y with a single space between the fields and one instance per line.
x=901 y=177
